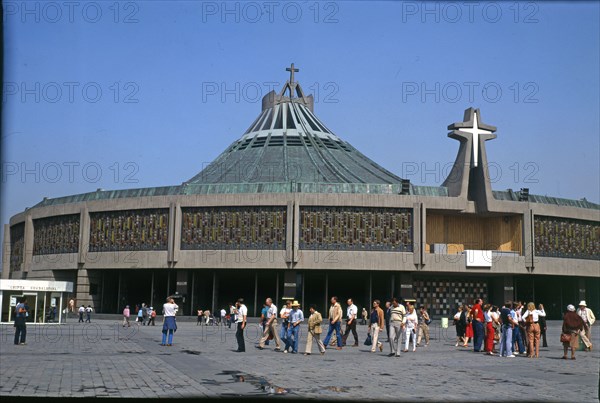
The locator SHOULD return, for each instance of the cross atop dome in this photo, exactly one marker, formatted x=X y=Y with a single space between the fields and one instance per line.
x=472 y=124
x=292 y=70
x=291 y=86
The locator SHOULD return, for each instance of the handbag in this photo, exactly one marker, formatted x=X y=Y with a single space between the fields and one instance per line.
x=565 y=337
x=368 y=341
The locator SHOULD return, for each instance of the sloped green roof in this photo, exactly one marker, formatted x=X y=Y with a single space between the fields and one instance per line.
x=511 y=195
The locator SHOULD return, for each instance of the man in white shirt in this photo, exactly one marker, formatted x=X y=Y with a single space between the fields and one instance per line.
x=81 y=312
x=351 y=315
x=241 y=312
x=397 y=321
x=270 y=326
x=223 y=314
x=588 y=319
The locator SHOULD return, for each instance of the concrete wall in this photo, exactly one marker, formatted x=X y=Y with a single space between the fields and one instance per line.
x=292 y=257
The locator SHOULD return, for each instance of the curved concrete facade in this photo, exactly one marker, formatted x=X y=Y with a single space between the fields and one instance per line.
x=439 y=233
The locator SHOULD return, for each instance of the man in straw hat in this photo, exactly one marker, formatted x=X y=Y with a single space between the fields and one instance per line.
x=588 y=319
x=296 y=317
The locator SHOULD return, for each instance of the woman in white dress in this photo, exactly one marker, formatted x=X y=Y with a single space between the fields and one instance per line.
x=410 y=328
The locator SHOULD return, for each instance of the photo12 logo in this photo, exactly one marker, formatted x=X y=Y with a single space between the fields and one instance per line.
x=470 y=91
x=253 y=92
x=252 y=12
x=70 y=12
x=437 y=172
x=469 y=12
x=68 y=171
x=70 y=92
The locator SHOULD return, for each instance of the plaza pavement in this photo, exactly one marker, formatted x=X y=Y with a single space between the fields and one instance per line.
x=103 y=359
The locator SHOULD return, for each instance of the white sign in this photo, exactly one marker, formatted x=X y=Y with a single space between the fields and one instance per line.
x=478 y=258
x=13 y=301
x=36 y=285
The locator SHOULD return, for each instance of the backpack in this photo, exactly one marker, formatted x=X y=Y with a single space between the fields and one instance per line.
x=153 y=314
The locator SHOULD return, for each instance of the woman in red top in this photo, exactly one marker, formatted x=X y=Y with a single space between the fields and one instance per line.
x=469 y=328
x=489 y=324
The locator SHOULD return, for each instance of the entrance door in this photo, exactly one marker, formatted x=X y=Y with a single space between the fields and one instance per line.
x=13 y=301
x=32 y=299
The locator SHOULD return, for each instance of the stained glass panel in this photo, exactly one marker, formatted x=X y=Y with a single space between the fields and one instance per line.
x=17 y=246
x=563 y=237
x=146 y=229
x=356 y=228
x=233 y=228
x=53 y=235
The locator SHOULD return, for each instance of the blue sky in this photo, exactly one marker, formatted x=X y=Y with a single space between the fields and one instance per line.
x=147 y=93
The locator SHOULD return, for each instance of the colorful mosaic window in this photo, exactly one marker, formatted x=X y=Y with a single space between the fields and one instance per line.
x=55 y=235
x=442 y=297
x=129 y=230
x=233 y=228
x=563 y=237
x=356 y=228
x=17 y=246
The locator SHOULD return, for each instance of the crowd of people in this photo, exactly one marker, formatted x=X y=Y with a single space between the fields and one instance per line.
x=144 y=315
x=397 y=320
x=517 y=328
x=205 y=317
x=511 y=330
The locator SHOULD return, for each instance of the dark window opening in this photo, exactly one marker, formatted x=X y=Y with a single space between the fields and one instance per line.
x=279 y=120
x=290 y=121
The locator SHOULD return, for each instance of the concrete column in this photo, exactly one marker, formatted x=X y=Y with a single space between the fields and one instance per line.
x=509 y=289
x=6 y=252
x=82 y=293
x=289 y=284
x=215 y=291
x=176 y=232
x=296 y=232
x=528 y=240
x=174 y=239
x=406 y=285
x=416 y=235
x=28 y=245
x=84 y=235
x=423 y=239
x=289 y=233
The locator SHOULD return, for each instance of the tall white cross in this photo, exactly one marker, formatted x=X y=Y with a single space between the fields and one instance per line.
x=475 y=131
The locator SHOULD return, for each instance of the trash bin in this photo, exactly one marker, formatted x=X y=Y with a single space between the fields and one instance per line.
x=444 y=323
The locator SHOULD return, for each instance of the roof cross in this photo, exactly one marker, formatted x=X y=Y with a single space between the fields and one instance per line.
x=292 y=70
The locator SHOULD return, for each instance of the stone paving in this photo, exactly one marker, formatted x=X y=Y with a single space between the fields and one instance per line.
x=103 y=359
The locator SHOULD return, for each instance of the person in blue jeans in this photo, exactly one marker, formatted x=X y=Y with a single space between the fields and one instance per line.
x=296 y=317
x=516 y=334
x=21 y=322
x=170 y=309
x=506 y=338
x=478 y=325
x=335 y=322
x=284 y=315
